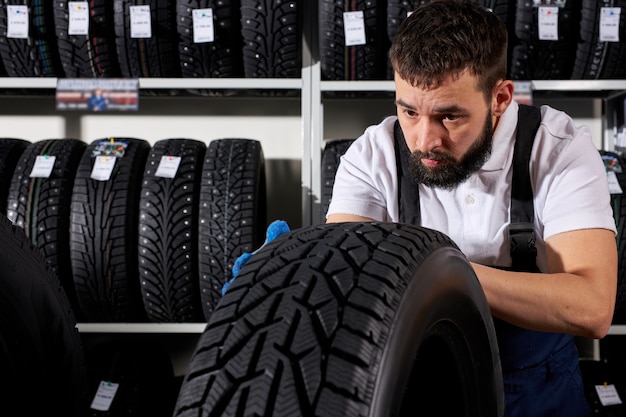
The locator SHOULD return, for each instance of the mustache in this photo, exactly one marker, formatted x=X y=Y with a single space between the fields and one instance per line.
x=435 y=156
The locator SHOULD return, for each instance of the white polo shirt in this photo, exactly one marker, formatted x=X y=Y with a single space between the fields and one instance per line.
x=568 y=178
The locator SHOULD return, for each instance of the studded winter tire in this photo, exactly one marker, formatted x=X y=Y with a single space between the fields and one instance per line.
x=168 y=231
x=536 y=59
x=331 y=156
x=354 y=319
x=40 y=204
x=11 y=150
x=595 y=58
x=90 y=55
x=147 y=56
x=233 y=211
x=35 y=54
x=340 y=61
x=271 y=38
x=219 y=58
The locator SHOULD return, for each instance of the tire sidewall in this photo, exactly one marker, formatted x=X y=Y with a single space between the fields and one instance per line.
x=441 y=290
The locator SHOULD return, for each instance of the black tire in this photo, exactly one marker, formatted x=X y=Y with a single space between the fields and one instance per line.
x=505 y=10
x=535 y=59
x=597 y=59
x=41 y=357
x=271 y=32
x=599 y=373
x=233 y=212
x=144 y=374
x=359 y=62
x=397 y=11
x=331 y=156
x=36 y=56
x=11 y=150
x=41 y=206
x=92 y=55
x=354 y=319
x=104 y=236
x=618 y=201
x=220 y=58
x=168 y=234
x=147 y=57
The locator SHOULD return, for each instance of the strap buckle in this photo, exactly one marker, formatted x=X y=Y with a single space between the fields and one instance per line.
x=522 y=240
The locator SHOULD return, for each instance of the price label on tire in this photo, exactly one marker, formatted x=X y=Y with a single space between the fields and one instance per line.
x=102 y=168
x=609 y=24
x=140 y=24
x=78 y=18
x=104 y=396
x=548 y=23
x=17 y=22
x=42 y=168
x=203 y=25
x=168 y=167
x=354 y=28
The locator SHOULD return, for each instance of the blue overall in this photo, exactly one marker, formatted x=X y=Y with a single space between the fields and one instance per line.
x=540 y=369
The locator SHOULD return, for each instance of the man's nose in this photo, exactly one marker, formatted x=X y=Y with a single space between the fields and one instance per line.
x=425 y=136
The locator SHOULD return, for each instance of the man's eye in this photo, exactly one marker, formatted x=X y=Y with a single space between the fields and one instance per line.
x=410 y=113
x=450 y=117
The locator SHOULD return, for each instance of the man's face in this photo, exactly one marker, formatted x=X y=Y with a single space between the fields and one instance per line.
x=449 y=130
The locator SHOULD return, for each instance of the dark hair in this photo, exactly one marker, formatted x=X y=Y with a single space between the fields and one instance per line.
x=446 y=37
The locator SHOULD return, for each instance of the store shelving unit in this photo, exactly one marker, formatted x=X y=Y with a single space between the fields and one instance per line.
x=313 y=94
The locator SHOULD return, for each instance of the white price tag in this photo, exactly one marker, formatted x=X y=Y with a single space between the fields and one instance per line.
x=140 y=22
x=17 y=22
x=104 y=396
x=102 y=168
x=168 y=167
x=608 y=394
x=42 y=168
x=548 y=23
x=79 y=18
x=203 y=30
x=609 y=24
x=354 y=28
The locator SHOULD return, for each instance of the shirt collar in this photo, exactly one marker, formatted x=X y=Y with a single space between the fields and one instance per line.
x=503 y=140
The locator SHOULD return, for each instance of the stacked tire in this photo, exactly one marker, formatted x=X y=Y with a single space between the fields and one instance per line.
x=136 y=232
x=155 y=38
x=578 y=50
x=110 y=232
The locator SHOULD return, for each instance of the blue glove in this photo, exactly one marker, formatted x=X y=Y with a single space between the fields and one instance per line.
x=275 y=229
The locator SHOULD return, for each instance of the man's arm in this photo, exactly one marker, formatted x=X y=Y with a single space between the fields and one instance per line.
x=340 y=218
x=576 y=296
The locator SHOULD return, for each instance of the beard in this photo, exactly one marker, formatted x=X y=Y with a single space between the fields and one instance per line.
x=453 y=172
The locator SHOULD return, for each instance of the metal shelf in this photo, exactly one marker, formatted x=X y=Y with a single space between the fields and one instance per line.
x=141 y=327
x=356 y=86
x=578 y=85
x=170 y=83
x=617 y=329
x=536 y=85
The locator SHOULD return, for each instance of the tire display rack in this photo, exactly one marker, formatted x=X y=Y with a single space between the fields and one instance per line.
x=315 y=94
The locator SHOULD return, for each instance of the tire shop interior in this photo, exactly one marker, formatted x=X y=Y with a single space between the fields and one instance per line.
x=255 y=106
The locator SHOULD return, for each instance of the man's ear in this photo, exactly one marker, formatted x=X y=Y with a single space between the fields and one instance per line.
x=502 y=97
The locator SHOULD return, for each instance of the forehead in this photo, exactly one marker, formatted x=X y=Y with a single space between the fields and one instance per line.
x=459 y=91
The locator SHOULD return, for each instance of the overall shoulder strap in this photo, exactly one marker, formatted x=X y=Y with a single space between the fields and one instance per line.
x=521 y=228
x=408 y=191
